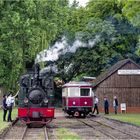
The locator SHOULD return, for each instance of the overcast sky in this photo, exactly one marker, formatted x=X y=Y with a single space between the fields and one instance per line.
x=81 y=2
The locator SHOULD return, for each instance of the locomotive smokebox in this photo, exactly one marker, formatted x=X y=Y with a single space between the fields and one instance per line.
x=36 y=95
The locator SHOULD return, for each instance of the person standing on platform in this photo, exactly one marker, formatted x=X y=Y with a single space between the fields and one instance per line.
x=96 y=100
x=115 y=104
x=106 y=106
x=4 y=107
x=9 y=102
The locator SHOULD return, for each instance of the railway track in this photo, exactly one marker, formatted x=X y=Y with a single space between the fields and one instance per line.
x=22 y=132
x=35 y=134
x=107 y=130
x=124 y=131
x=15 y=131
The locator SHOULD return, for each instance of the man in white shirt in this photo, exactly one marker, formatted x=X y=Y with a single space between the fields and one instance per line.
x=115 y=104
x=95 y=105
x=9 y=102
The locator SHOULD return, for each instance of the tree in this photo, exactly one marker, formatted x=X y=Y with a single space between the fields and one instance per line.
x=27 y=27
x=118 y=39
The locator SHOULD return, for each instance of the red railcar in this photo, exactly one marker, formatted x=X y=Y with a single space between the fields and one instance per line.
x=77 y=98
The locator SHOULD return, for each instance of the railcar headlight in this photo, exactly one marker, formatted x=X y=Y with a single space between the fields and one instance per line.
x=45 y=100
x=85 y=103
x=26 y=100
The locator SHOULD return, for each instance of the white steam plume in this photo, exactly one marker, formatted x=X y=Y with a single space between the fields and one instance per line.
x=62 y=47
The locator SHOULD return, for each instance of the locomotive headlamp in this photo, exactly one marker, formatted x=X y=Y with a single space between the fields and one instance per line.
x=26 y=100
x=45 y=100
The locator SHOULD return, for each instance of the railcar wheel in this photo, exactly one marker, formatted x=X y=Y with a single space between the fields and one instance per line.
x=28 y=125
x=82 y=115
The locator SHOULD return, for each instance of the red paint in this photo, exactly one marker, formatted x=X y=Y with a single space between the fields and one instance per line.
x=27 y=112
x=80 y=101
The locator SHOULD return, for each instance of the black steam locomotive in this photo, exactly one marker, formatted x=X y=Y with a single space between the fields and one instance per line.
x=35 y=99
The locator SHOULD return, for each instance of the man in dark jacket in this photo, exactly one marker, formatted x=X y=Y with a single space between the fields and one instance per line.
x=4 y=106
x=106 y=106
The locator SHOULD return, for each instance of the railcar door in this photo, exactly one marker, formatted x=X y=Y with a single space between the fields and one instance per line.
x=64 y=97
x=86 y=99
x=73 y=97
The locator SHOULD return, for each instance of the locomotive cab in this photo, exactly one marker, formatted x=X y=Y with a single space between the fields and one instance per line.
x=77 y=98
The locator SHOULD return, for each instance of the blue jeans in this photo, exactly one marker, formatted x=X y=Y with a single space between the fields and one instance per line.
x=4 y=114
x=115 y=109
x=9 y=113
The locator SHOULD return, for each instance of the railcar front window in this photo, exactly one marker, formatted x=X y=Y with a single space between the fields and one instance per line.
x=73 y=91
x=64 y=91
x=85 y=92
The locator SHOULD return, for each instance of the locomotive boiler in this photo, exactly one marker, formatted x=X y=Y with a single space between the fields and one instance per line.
x=35 y=99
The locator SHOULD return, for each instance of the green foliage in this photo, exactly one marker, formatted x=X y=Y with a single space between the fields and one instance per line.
x=131 y=10
x=118 y=39
x=28 y=27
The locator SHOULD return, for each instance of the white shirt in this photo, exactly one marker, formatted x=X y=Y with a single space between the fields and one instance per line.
x=9 y=101
x=96 y=100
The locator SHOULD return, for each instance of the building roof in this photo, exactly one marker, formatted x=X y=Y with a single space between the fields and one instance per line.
x=112 y=70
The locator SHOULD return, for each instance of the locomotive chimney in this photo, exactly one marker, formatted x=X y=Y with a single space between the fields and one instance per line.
x=36 y=75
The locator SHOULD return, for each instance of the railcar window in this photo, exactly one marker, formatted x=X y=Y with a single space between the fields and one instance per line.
x=64 y=91
x=73 y=91
x=84 y=91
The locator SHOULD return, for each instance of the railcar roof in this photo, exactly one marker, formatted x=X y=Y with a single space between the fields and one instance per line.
x=77 y=84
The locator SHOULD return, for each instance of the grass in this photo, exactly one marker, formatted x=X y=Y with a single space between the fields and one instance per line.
x=129 y=118
x=65 y=134
x=6 y=124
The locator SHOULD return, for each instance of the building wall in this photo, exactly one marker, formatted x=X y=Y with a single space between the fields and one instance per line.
x=130 y=96
x=125 y=87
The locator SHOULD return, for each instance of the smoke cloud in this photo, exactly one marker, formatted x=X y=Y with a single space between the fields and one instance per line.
x=62 y=47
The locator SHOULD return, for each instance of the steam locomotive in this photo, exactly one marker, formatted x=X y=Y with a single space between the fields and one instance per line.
x=35 y=98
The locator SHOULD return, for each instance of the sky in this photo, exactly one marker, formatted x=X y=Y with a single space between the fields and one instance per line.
x=81 y=2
